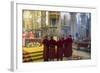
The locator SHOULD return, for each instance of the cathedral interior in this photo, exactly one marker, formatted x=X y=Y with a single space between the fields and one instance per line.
x=37 y=24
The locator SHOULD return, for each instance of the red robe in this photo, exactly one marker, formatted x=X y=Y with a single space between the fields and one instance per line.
x=52 y=54
x=68 y=47
x=60 y=49
x=46 y=49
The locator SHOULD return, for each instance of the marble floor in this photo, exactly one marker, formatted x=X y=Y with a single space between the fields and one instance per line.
x=36 y=55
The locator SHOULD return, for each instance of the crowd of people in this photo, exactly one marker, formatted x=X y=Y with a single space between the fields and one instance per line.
x=57 y=49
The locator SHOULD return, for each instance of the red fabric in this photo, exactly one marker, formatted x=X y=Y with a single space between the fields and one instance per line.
x=46 y=49
x=68 y=47
x=52 y=53
x=59 y=49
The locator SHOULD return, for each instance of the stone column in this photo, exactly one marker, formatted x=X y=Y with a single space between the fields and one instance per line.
x=73 y=24
x=59 y=34
x=83 y=25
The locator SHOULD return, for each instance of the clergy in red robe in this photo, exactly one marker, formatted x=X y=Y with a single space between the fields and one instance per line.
x=52 y=44
x=60 y=49
x=46 y=48
x=68 y=46
x=31 y=36
x=23 y=39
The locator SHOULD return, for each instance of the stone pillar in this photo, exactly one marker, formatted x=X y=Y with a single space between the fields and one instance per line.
x=73 y=24
x=59 y=34
x=47 y=23
x=83 y=25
